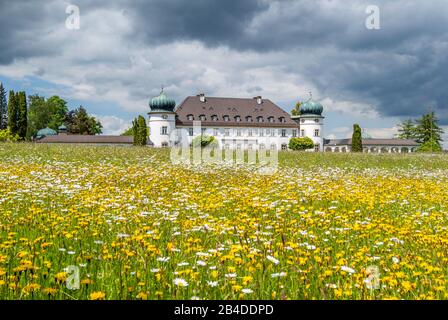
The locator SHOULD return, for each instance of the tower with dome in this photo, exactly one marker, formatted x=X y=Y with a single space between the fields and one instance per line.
x=311 y=122
x=162 y=119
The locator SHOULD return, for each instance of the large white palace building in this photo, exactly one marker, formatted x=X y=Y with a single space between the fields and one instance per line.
x=253 y=123
x=235 y=123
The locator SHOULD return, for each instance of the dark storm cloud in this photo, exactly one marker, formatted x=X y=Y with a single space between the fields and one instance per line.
x=401 y=69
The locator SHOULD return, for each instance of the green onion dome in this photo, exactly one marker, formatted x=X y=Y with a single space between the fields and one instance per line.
x=162 y=102
x=311 y=107
x=46 y=132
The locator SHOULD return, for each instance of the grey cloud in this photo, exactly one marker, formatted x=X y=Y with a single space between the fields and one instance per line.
x=401 y=69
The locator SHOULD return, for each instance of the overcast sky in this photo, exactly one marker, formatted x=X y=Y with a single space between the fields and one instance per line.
x=124 y=51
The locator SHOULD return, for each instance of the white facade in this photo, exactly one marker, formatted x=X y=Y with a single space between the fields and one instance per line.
x=312 y=126
x=161 y=124
x=245 y=137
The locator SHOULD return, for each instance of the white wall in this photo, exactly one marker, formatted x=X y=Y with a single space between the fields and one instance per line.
x=308 y=124
x=156 y=122
x=242 y=136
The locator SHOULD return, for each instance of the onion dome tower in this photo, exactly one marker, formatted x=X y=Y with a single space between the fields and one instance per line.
x=311 y=122
x=162 y=120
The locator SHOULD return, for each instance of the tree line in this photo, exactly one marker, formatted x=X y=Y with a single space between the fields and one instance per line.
x=21 y=117
x=425 y=131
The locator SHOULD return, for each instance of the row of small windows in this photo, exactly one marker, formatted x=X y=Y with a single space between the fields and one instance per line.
x=250 y=132
x=226 y=118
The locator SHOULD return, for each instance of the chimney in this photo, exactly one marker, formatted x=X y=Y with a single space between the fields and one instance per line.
x=259 y=99
x=201 y=97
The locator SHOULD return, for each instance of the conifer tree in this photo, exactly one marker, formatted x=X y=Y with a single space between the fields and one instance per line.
x=356 y=139
x=3 y=108
x=22 y=118
x=12 y=113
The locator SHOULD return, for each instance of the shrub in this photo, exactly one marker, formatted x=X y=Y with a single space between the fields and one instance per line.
x=7 y=136
x=204 y=140
x=301 y=143
x=430 y=146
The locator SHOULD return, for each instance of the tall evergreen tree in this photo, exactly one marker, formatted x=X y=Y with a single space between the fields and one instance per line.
x=139 y=131
x=357 y=138
x=406 y=130
x=22 y=119
x=428 y=130
x=13 y=113
x=142 y=130
x=3 y=108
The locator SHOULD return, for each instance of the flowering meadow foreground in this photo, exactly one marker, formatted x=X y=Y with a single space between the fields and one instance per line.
x=325 y=226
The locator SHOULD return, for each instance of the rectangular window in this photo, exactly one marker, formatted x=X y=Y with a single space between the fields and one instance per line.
x=283 y=132
x=215 y=132
x=238 y=132
x=316 y=132
x=294 y=133
x=249 y=133
x=164 y=130
x=227 y=132
x=190 y=132
x=261 y=132
x=302 y=133
x=272 y=133
x=203 y=130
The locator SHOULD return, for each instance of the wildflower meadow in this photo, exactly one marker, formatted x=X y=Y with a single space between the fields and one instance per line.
x=100 y=222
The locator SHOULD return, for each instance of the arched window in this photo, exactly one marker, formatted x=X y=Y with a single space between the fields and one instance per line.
x=262 y=146
x=190 y=117
x=284 y=146
x=273 y=146
x=164 y=144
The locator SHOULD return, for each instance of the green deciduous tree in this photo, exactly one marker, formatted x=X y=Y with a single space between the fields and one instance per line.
x=13 y=113
x=296 y=110
x=45 y=113
x=357 y=138
x=3 y=108
x=299 y=144
x=78 y=121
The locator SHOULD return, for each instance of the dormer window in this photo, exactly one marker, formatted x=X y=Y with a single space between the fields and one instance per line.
x=190 y=117
x=226 y=118
x=260 y=119
x=202 y=117
x=238 y=119
x=271 y=119
x=214 y=117
x=249 y=119
x=282 y=119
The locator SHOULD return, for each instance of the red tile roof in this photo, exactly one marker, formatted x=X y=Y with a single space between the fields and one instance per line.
x=232 y=107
